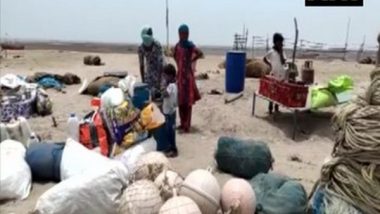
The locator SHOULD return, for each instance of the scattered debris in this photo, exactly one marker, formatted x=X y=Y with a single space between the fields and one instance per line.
x=295 y=158
x=202 y=76
x=233 y=98
x=215 y=92
x=55 y=124
x=16 y=56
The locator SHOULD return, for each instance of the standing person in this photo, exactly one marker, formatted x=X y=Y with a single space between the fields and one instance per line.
x=186 y=55
x=276 y=59
x=151 y=61
x=169 y=107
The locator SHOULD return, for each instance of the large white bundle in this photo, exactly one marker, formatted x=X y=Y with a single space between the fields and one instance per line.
x=130 y=157
x=98 y=191
x=77 y=159
x=142 y=197
x=15 y=174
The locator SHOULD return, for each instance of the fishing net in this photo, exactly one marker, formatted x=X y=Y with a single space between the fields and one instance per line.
x=243 y=158
x=354 y=172
x=278 y=194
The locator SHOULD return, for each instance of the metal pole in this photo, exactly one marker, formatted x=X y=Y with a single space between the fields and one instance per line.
x=347 y=35
x=253 y=46
x=167 y=25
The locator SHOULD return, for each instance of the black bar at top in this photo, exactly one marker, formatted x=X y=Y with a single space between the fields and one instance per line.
x=334 y=3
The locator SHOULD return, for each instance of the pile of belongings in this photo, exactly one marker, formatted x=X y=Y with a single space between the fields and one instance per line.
x=19 y=98
x=56 y=81
x=337 y=91
x=101 y=83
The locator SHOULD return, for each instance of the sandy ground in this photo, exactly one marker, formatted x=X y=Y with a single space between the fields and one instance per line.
x=211 y=117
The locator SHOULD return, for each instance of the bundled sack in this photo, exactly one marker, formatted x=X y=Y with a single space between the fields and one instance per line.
x=44 y=105
x=15 y=175
x=243 y=158
x=98 y=191
x=18 y=102
x=277 y=194
x=44 y=160
x=341 y=84
x=130 y=157
x=93 y=133
x=256 y=69
x=18 y=130
x=77 y=160
x=321 y=97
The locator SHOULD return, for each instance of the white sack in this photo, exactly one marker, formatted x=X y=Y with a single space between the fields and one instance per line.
x=132 y=154
x=97 y=192
x=15 y=174
x=77 y=159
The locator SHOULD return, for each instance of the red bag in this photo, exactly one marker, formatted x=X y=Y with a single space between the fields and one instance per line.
x=92 y=133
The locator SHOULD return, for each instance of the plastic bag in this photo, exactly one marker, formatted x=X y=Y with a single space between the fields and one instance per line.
x=18 y=130
x=15 y=175
x=278 y=194
x=130 y=156
x=77 y=159
x=321 y=97
x=44 y=160
x=341 y=84
x=97 y=192
x=243 y=158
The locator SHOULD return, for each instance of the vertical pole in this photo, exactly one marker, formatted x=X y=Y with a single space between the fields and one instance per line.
x=347 y=35
x=167 y=25
x=253 y=46
x=295 y=42
x=267 y=47
x=361 y=50
x=378 y=52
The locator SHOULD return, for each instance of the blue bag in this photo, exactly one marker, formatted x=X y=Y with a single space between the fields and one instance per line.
x=44 y=160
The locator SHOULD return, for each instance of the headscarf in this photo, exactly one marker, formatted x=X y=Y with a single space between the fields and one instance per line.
x=277 y=37
x=147 y=36
x=183 y=32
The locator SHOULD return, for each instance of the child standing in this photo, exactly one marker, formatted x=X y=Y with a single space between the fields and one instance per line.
x=276 y=59
x=169 y=106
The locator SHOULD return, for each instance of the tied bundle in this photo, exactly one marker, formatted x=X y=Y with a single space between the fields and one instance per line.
x=354 y=172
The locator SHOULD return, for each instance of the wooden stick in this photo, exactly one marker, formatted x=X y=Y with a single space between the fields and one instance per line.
x=296 y=41
x=378 y=52
x=226 y=101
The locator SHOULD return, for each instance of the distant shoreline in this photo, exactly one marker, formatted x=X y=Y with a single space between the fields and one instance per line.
x=100 y=47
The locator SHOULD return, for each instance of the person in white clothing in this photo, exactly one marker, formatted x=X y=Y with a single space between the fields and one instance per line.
x=169 y=106
x=276 y=59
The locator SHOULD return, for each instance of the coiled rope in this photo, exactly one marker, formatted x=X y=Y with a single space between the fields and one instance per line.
x=354 y=172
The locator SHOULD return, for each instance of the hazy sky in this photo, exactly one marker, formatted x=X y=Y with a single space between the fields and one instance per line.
x=212 y=22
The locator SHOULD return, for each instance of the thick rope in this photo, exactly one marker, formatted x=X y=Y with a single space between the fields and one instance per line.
x=354 y=173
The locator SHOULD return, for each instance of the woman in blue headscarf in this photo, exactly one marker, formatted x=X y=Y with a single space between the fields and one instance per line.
x=151 y=60
x=186 y=55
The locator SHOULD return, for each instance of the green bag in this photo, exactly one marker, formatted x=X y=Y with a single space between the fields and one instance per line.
x=277 y=194
x=321 y=97
x=243 y=158
x=341 y=84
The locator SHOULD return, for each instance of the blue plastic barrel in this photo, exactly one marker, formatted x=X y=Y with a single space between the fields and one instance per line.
x=235 y=71
x=141 y=95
